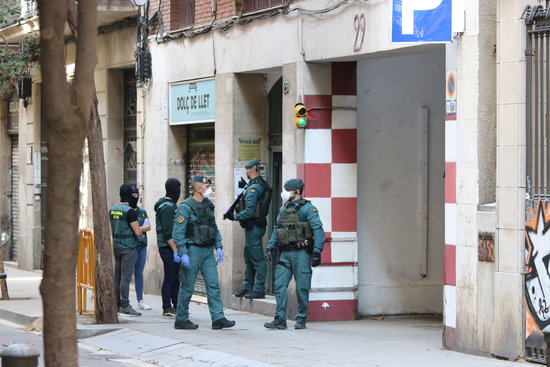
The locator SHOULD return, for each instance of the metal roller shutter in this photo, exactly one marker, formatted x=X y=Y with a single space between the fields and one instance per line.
x=201 y=161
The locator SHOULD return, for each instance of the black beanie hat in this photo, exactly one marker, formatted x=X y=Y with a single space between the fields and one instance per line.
x=173 y=188
x=125 y=193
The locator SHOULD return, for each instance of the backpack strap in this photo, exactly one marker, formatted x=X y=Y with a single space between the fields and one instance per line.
x=165 y=204
x=210 y=203
x=297 y=207
x=190 y=202
x=302 y=203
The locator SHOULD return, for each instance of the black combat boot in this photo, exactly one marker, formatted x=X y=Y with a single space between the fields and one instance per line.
x=222 y=324
x=186 y=325
x=241 y=293
x=276 y=324
x=254 y=294
x=300 y=325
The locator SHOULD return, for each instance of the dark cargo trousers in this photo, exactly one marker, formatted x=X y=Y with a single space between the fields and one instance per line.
x=170 y=283
x=297 y=263
x=125 y=263
x=255 y=273
x=201 y=259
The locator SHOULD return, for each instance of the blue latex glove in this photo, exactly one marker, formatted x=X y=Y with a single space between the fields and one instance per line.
x=219 y=254
x=177 y=258
x=185 y=261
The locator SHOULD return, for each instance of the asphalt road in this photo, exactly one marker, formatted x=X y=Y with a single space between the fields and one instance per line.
x=11 y=333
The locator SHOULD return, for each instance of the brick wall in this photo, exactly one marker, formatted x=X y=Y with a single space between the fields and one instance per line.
x=165 y=10
x=203 y=12
x=226 y=9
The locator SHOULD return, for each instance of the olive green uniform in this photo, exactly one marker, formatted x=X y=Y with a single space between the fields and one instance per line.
x=297 y=222
x=123 y=234
x=255 y=227
x=165 y=209
x=196 y=234
x=125 y=245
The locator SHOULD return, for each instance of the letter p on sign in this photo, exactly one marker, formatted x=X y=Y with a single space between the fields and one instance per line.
x=423 y=21
x=407 y=12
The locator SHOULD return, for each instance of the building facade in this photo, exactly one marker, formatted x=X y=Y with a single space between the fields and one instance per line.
x=415 y=154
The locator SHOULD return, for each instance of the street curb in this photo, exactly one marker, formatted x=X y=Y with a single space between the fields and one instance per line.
x=166 y=352
x=89 y=332
x=17 y=318
x=82 y=331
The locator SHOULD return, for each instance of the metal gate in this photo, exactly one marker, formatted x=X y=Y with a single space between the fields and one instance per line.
x=537 y=54
x=275 y=168
x=130 y=128
x=537 y=93
x=13 y=131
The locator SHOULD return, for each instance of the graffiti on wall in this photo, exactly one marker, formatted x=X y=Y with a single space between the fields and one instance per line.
x=537 y=274
x=486 y=246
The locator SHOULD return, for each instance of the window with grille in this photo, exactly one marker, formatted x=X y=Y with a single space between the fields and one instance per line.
x=255 y=5
x=28 y=8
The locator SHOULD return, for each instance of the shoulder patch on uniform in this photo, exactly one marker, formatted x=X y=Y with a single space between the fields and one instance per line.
x=181 y=218
x=313 y=210
x=252 y=190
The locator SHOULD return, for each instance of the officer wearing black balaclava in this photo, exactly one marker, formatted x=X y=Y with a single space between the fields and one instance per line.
x=145 y=225
x=165 y=210
x=134 y=198
x=126 y=233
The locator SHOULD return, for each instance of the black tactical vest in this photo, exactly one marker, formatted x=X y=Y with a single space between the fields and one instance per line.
x=290 y=229
x=262 y=204
x=203 y=230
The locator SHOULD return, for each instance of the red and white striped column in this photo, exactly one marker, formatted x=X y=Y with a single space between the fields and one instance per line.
x=449 y=276
x=330 y=174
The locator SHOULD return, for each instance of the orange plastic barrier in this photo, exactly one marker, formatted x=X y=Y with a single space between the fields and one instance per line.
x=85 y=270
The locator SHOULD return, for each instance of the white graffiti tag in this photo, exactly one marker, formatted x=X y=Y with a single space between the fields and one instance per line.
x=537 y=279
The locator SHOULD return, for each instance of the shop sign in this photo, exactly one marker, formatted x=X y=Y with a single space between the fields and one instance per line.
x=249 y=148
x=193 y=102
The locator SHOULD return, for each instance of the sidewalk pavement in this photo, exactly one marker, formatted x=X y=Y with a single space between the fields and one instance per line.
x=409 y=341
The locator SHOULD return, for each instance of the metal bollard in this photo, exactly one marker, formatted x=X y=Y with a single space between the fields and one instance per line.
x=19 y=355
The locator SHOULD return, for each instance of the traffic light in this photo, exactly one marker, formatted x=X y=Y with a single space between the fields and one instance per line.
x=300 y=115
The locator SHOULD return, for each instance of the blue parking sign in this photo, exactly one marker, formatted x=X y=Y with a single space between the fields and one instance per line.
x=421 y=21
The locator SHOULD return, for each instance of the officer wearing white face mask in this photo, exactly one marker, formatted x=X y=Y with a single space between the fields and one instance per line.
x=197 y=237
x=299 y=237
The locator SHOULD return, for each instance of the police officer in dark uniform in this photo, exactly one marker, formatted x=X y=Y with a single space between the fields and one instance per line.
x=165 y=209
x=197 y=236
x=126 y=234
x=145 y=225
x=299 y=237
x=251 y=215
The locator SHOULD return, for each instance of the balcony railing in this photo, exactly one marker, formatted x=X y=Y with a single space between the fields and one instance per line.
x=115 y=5
x=28 y=8
x=108 y=11
x=252 y=6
